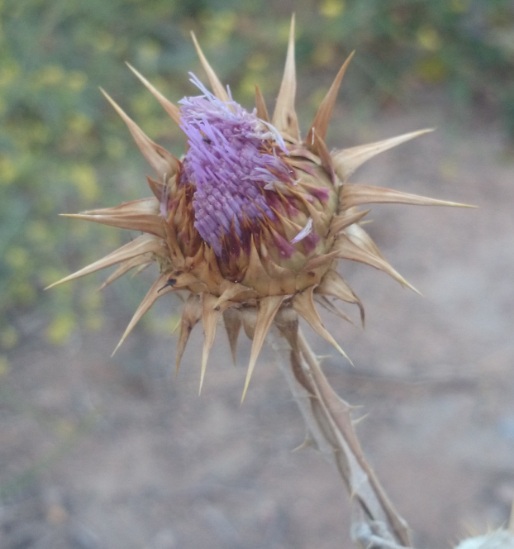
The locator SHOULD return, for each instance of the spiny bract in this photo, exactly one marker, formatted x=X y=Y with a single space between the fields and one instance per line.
x=251 y=222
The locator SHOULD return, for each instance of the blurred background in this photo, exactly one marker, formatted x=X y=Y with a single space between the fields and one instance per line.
x=98 y=452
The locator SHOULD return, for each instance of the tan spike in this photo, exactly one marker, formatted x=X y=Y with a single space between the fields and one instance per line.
x=191 y=314
x=141 y=245
x=326 y=108
x=255 y=270
x=321 y=260
x=137 y=215
x=232 y=322
x=284 y=116
x=172 y=110
x=345 y=219
x=234 y=291
x=362 y=239
x=157 y=290
x=346 y=249
x=303 y=304
x=356 y=195
x=143 y=266
x=206 y=270
x=217 y=87
x=125 y=267
x=158 y=188
x=209 y=321
x=291 y=228
x=330 y=307
x=333 y=284
x=318 y=145
x=347 y=161
x=268 y=308
x=260 y=105
x=163 y=162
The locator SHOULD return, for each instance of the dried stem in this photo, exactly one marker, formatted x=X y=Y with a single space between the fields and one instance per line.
x=375 y=521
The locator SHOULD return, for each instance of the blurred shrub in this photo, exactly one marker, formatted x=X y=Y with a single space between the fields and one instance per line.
x=464 y=47
x=62 y=149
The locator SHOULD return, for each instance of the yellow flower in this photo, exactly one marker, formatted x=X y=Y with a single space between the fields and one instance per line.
x=251 y=223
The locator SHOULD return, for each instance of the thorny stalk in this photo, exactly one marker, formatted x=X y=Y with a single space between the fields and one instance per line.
x=375 y=521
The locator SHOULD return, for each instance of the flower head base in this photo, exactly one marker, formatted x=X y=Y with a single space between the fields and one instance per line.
x=253 y=220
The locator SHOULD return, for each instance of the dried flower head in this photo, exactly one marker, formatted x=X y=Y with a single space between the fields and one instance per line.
x=250 y=224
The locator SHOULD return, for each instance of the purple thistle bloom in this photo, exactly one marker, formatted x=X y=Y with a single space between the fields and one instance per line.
x=245 y=225
x=235 y=163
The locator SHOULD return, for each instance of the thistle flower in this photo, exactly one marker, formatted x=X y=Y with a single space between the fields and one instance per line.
x=251 y=223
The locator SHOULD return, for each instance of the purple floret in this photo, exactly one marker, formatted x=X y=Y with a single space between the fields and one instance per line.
x=234 y=161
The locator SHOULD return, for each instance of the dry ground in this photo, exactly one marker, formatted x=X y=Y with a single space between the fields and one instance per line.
x=116 y=453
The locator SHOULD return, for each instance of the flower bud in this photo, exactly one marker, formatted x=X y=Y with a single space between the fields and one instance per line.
x=253 y=220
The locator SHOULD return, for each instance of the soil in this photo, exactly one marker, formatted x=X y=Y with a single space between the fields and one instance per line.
x=119 y=453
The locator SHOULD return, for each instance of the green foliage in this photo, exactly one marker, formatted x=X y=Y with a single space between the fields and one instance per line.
x=62 y=148
x=463 y=46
